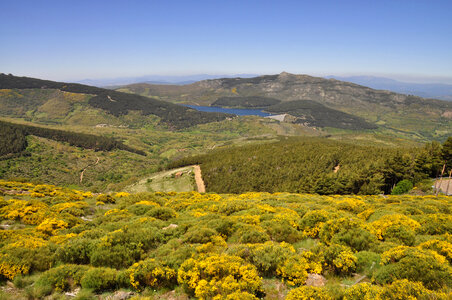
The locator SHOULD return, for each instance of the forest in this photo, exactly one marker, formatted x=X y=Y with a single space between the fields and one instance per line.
x=315 y=114
x=248 y=102
x=232 y=246
x=12 y=139
x=317 y=165
x=118 y=103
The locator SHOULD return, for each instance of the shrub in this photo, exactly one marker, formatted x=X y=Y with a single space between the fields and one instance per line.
x=199 y=235
x=358 y=239
x=266 y=257
x=251 y=234
x=404 y=289
x=117 y=256
x=219 y=275
x=340 y=259
x=63 y=277
x=402 y=187
x=362 y=291
x=281 y=231
x=308 y=292
x=105 y=198
x=76 y=251
x=162 y=213
x=415 y=264
x=151 y=273
x=294 y=270
x=367 y=262
x=100 y=279
x=312 y=222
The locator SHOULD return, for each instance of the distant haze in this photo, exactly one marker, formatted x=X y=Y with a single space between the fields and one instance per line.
x=158 y=79
x=426 y=90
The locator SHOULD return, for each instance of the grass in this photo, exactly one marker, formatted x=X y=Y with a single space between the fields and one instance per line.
x=166 y=181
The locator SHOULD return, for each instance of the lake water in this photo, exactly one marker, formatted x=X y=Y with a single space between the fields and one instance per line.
x=235 y=111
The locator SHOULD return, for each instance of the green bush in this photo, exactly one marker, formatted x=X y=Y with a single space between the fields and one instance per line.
x=415 y=264
x=100 y=279
x=368 y=262
x=358 y=239
x=162 y=213
x=281 y=231
x=62 y=278
x=402 y=187
x=252 y=235
x=75 y=251
x=199 y=235
x=400 y=234
x=117 y=256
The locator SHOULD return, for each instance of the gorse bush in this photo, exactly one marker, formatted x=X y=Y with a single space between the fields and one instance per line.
x=225 y=246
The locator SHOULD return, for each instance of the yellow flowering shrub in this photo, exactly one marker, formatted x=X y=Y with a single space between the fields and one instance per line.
x=312 y=222
x=308 y=293
x=404 y=289
x=441 y=247
x=51 y=226
x=10 y=267
x=415 y=264
x=381 y=226
x=340 y=259
x=361 y=291
x=151 y=273
x=294 y=270
x=218 y=275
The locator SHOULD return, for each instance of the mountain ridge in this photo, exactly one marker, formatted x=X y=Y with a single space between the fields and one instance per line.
x=429 y=118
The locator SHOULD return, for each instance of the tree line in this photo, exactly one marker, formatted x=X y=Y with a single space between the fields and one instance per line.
x=13 y=139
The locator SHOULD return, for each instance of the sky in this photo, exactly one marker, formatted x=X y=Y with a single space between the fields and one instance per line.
x=78 y=39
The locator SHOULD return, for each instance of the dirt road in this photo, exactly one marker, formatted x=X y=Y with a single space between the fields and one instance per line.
x=198 y=178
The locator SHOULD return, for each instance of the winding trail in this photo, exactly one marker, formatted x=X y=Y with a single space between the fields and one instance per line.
x=90 y=165
x=198 y=178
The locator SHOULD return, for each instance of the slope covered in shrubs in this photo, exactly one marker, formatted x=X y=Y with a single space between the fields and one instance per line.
x=12 y=139
x=316 y=165
x=224 y=246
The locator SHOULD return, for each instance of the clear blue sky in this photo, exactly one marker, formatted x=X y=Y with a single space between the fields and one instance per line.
x=70 y=40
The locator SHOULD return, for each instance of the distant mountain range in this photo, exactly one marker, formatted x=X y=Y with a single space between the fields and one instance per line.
x=157 y=79
x=426 y=90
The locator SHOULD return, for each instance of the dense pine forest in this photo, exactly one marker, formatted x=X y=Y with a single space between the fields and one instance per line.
x=12 y=139
x=317 y=165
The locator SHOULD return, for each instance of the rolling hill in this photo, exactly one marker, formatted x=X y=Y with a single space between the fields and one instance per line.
x=421 y=118
x=56 y=101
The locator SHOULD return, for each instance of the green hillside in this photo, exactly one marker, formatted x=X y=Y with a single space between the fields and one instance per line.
x=395 y=114
x=51 y=99
x=315 y=165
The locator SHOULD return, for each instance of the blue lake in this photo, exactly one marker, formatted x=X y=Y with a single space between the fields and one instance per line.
x=235 y=111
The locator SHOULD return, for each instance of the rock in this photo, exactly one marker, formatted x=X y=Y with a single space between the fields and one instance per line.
x=120 y=295
x=315 y=280
x=170 y=226
x=73 y=293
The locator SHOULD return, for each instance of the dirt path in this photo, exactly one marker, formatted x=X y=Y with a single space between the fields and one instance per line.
x=90 y=165
x=198 y=178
